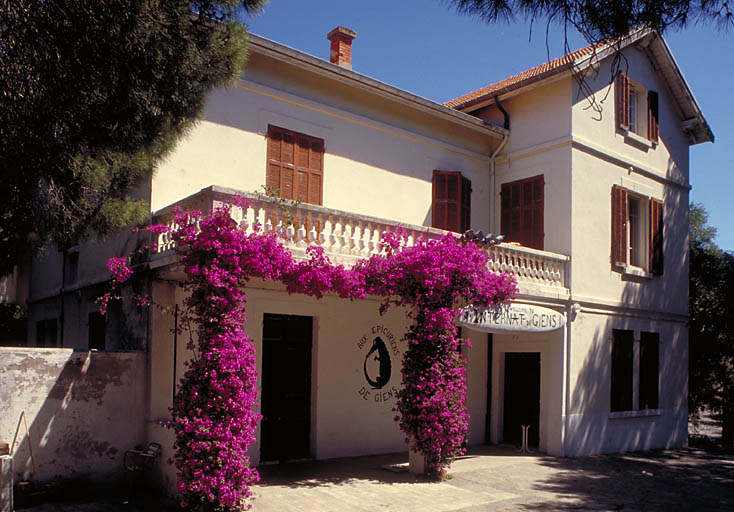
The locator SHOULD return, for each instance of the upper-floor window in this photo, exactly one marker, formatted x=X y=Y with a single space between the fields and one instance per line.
x=295 y=165
x=637 y=231
x=637 y=109
x=522 y=212
x=451 y=208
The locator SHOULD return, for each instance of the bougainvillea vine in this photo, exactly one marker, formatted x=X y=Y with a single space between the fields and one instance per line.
x=215 y=410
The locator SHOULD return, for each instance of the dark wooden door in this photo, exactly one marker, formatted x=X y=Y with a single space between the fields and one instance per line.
x=522 y=396
x=285 y=430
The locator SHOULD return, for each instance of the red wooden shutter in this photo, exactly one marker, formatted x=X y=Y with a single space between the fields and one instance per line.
x=656 y=237
x=295 y=165
x=536 y=233
x=653 y=125
x=438 y=206
x=451 y=201
x=272 y=175
x=619 y=226
x=623 y=101
x=521 y=212
x=465 y=205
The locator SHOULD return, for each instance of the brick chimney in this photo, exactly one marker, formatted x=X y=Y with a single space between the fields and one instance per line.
x=341 y=46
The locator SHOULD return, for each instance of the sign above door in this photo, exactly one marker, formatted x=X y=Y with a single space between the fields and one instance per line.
x=511 y=318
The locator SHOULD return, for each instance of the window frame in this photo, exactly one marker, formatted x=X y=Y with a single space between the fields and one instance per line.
x=283 y=158
x=650 y=237
x=513 y=215
x=442 y=204
x=638 y=112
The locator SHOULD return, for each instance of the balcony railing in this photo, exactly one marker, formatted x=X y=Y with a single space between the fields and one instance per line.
x=347 y=237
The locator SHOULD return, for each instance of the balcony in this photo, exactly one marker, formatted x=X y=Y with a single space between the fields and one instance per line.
x=347 y=237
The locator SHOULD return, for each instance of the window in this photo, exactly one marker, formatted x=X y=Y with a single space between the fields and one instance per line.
x=97 y=327
x=622 y=360
x=637 y=109
x=649 y=369
x=295 y=165
x=46 y=332
x=451 y=208
x=522 y=212
x=625 y=360
x=71 y=266
x=637 y=231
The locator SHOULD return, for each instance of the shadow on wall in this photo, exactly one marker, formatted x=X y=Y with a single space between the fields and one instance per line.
x=591 y=430
x=84 y=410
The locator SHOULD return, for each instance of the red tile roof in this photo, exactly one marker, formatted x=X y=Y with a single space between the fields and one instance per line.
x=520 y=80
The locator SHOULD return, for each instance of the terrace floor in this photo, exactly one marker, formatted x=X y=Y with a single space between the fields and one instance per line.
x=496 y=478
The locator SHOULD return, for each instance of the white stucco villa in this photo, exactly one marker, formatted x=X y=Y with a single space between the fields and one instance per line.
x=593 y=206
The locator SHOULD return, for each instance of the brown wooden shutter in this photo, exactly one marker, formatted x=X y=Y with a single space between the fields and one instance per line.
x=451 y=205
x=465 y=204
x=295 y=165
x=521 y=212
x=619 y=226
x=272 y=175
x=623 y=101
x=536 y=230
x=656 y=237
x=653 y=125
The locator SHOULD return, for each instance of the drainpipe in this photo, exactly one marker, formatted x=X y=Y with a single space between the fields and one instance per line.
x=572 y=311
x=494 y=227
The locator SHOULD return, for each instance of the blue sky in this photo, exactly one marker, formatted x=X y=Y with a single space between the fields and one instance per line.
x=423 y=47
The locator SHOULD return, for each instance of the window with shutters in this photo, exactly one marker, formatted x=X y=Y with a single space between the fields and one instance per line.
x=522 y=212
x=451 y=207
x=622 y=365
x=295 y=167
x=637 y=109
x=629 y=360
x=637 y=231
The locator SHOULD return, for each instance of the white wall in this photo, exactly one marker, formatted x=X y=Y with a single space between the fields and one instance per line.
x=594 y=175
x=84 y=410
x=592 y=428
x=371 y=167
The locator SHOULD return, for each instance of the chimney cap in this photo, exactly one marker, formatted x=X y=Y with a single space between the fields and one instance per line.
x=341 y=31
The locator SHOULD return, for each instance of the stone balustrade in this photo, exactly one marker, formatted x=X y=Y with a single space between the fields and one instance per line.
x=347 y=237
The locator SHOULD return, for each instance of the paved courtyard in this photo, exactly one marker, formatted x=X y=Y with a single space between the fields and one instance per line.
x=487 y=479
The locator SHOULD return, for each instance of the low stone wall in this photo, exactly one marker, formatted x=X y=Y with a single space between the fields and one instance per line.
x=84 y=410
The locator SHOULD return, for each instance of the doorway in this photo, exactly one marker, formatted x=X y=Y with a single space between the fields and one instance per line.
x=285 y=429
x=522 y=397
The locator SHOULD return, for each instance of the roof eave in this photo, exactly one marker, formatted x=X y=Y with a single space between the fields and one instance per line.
x=284 y=53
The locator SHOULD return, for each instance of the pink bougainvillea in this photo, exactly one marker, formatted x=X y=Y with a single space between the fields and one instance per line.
x=430 y=278
x=214 y=413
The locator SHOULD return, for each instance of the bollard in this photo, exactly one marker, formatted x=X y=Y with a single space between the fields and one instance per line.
x=525 y=436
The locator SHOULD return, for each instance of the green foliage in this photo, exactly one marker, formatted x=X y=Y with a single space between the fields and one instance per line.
x=599 y=21
x=711 y=331
x=94 y=93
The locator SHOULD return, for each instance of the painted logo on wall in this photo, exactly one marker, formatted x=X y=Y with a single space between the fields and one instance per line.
x=381 y=351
